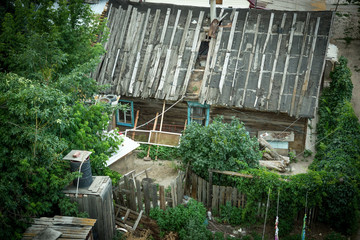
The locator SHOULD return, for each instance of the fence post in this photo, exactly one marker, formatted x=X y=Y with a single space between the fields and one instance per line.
x=209 y=193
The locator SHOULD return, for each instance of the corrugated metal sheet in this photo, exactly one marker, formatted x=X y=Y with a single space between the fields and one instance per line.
x=268 y=60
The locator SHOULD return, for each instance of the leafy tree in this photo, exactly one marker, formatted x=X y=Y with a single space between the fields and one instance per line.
x=221 y=146
x=47 y=54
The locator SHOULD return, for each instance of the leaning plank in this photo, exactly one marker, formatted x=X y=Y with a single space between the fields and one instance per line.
x=228 y=52
x=287 y=61
x=273 y=165
x=194 y=52
x=137 y=221
x=270 y=150
x=251 y=59
x=308 y=69
x=199 y=189
x=275 y=61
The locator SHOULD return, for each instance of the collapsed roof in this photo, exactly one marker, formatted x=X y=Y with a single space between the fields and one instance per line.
x=262 y=60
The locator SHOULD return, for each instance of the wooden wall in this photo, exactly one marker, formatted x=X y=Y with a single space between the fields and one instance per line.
x=254 y=121
x=266 y=121
x=149 y=107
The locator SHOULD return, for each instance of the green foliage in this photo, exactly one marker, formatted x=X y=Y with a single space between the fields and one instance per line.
x=48 y=53
x=307 y=153
x=163 y=153
x=39 y=41
x=221 y=146
x=230 y=214
x=181 y=219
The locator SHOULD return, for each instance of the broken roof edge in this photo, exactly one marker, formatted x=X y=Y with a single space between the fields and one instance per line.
x=144 y=6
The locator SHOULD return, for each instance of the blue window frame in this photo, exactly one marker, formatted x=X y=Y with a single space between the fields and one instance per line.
x=199 y=113
x=125 y=118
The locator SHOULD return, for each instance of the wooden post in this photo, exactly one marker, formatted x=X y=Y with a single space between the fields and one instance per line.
x=162 y=197
x=161 y=123
x=147 y=158
x=209 y=195
x=135 y=124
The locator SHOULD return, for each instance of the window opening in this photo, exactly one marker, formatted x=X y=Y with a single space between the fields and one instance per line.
x=126 y=117
x=199 y=113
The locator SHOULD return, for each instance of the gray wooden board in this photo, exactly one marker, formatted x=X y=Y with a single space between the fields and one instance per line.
x=154 y=196
x=146 y=197
x=215 y=198
x=139 y=195
x=222 y=195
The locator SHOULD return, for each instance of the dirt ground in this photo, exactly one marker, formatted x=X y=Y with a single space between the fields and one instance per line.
x=162 y=171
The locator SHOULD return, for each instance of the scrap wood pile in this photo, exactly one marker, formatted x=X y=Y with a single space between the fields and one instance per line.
x=136 y=224
x=271 y=159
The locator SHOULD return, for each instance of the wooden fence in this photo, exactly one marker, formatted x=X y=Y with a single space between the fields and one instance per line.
x=142 y=195
x=215 y=196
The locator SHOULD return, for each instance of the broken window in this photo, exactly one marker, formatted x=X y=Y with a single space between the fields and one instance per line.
x=199 y=113
x=126 y=117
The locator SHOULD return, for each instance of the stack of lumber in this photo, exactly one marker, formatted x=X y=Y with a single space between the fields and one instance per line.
x=271 y=159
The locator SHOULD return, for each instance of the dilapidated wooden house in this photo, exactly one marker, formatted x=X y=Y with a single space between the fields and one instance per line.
x=264 y=67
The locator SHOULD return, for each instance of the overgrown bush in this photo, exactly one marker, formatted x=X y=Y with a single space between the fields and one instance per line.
x=221 y=146
x=230 y=214
x=184 y=220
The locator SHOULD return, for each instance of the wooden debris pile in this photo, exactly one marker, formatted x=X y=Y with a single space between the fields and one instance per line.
x=271 y=159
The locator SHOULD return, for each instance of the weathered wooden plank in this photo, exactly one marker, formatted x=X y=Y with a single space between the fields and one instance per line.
x=138 y=56
x=132 y=196
x=199 y=189
x=228 y=52
x=137 y=221
x=209 y=190
x=181 y=52
x=146 y=197
x=215 y=198
x=139 y=195
x=164 y=74
x=305 y=34
x=154 y=196
x=235 y=78
x=228 y=194
x=179 y=190
x=173 y=194
x=287 y=60
x=234 y=197
x=193 y=186
x=308 y=68
x=264 y=57
x=127 y=187
x=204 y=194
x=275 y=62
x=194 y=52
x=251 y=59
x=222 y=199
x=207 y=80
x=162 y=197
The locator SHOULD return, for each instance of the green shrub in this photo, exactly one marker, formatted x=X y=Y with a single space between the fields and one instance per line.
x=221 y=146
x=181 y=218
x=230 y=214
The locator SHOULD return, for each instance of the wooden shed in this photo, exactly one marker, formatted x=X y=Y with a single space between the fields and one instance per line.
x=264 y=66
x=97 y=201
x=60 y=227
